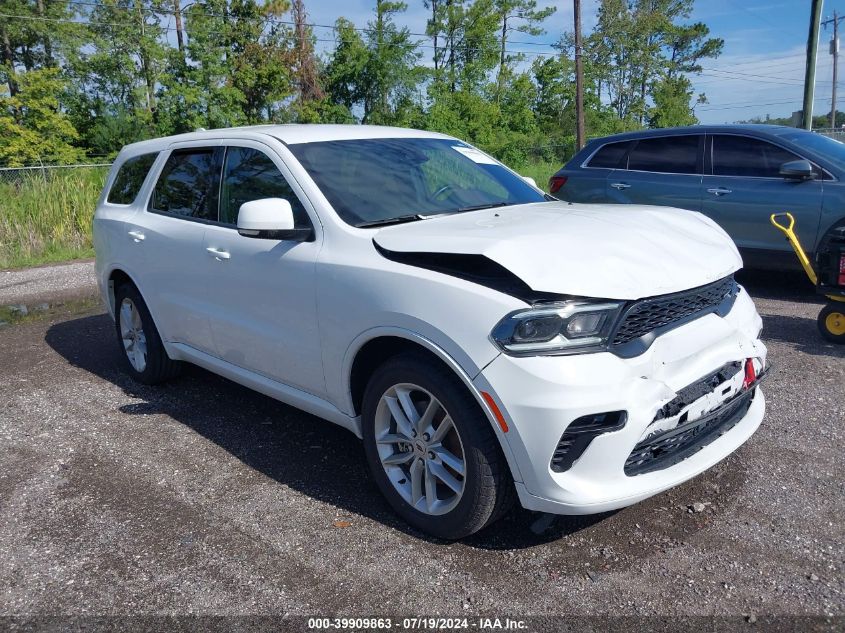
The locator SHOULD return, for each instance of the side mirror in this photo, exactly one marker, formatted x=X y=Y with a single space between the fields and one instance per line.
x=797 y=170
x=270 y=219
x=530 y=180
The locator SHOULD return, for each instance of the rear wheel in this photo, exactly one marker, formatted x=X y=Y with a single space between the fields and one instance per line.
x=144 y=356
x=832 y=322
x=431 y=449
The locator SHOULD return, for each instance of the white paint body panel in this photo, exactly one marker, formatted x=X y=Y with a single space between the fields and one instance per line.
x=545 y=394
x=612 y=251
x=288 y=318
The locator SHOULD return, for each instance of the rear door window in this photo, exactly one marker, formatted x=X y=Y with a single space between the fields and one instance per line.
x=249 y=174
x=748 y=157
x=666 y=154
x=189 y=184
x=610 y=156
x=130 y=177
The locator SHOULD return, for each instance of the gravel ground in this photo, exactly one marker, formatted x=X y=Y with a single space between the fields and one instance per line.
x=201 y=497
x=47 y=283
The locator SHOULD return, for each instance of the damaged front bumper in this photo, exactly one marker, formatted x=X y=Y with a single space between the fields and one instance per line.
x=674 y=411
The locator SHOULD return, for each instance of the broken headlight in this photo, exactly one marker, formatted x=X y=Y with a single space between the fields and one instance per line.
x=557 y=328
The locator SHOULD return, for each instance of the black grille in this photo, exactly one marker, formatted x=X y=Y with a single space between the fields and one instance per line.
x=665 y=449
x=649 y=315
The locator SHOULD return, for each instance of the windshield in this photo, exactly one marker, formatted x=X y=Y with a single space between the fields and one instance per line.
x=824 y=146
x=374 y=181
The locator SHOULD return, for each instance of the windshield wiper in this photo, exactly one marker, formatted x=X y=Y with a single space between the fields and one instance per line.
x=479 y=207
x=387 y=221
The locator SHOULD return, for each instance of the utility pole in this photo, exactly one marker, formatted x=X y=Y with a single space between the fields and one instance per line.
x=579 y=79
x=180 y=38
x=810 y=69
x=834 y=50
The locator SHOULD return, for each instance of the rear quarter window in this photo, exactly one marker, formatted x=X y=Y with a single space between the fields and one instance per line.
x=130 y=177
x=609 y=156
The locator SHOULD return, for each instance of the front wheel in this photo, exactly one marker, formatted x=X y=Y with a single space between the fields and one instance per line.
x=431 y=449
x=832 y=322
x=144 y=356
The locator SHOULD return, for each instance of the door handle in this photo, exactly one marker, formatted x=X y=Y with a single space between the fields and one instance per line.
x=217 y=254
x=719 y=191
x=619 y=186
x=137 y=236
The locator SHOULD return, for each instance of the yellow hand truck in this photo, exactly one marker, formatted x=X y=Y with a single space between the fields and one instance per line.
x=828 y=277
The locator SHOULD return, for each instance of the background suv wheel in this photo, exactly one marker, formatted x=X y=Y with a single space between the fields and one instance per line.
x=431 y=449
x=144 y=357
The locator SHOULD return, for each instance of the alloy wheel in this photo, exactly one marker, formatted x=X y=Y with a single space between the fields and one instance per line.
x=420 y=449
x=132 y=334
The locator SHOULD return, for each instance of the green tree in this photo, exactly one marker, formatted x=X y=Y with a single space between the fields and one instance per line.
x=671 y=106
x=33 y=129
x=376 y=78
x=468 y=47
x=117 y=74
x=344 y=73
x=637 y=45
x=391 y=74
x=238 y=69
x=519 y=16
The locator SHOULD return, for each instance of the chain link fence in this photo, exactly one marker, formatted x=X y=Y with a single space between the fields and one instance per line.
x=833 y=132
x=46 y=212
x=16 y=176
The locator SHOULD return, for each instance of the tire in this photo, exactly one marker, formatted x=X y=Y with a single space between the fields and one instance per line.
x=143 y=355
x=831 y=322
x=487 y=489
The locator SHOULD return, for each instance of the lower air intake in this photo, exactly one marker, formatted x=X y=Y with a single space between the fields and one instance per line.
x=578 y=435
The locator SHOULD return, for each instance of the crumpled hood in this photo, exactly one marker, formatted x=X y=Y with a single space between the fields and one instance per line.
x=590 y=250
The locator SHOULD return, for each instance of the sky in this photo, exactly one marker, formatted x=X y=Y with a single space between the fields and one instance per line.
x=760 y=71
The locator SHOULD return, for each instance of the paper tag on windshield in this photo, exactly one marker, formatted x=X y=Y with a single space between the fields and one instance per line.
x=474 y=155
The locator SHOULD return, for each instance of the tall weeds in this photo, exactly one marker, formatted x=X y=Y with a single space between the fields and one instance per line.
x=46 y=216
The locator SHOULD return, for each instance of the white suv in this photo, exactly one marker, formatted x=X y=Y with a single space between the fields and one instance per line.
x=485 y=340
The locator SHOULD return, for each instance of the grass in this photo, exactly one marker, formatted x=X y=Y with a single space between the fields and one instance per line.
x=63 y=308
x=46 y=216
x=539 y=171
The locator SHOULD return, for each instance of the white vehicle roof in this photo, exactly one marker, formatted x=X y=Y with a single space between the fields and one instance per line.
x=291 y=134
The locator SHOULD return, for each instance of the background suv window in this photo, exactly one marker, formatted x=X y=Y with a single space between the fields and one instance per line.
x=188 y=185
x=749 y=157
x=667 y=154
x=130 y=177
x=249 y=174
x=609 y=156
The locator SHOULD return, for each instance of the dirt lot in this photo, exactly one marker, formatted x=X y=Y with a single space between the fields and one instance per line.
x=202 y=497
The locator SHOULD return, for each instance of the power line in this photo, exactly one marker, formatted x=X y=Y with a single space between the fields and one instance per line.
x=718 y=74
x=167 y=29
x=771 y=62
x=725 y=78
x=742 y=74
x=273 y=21
x=755 y=105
